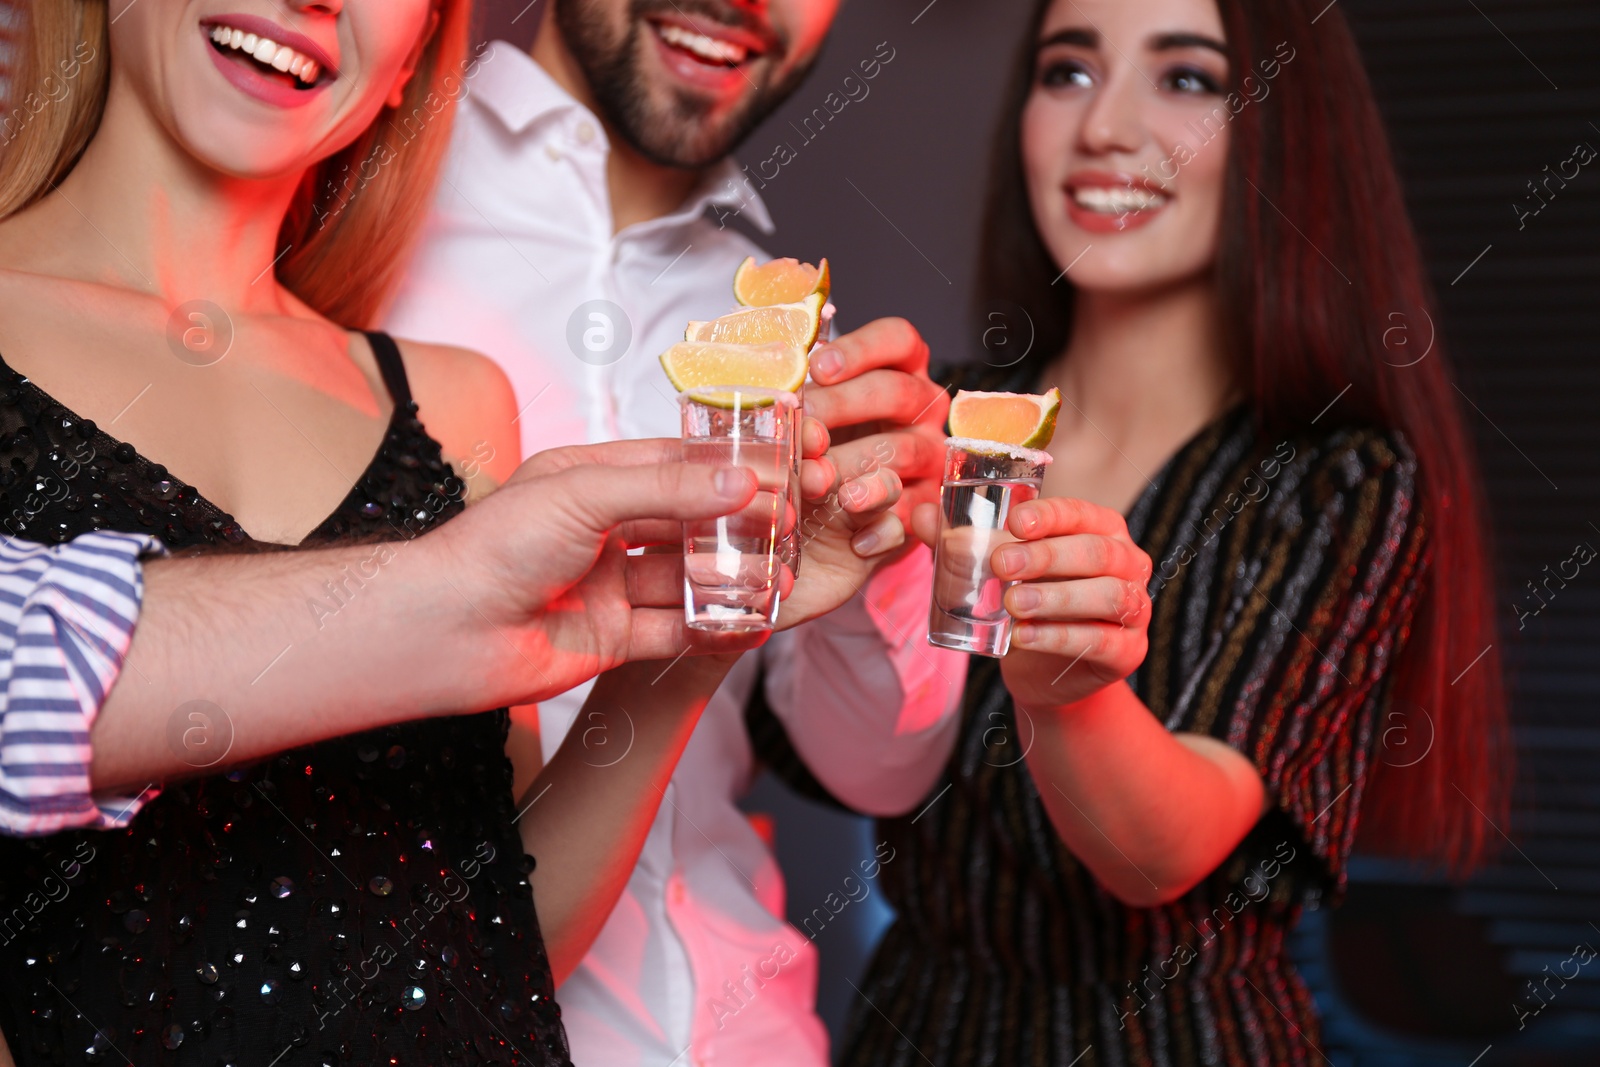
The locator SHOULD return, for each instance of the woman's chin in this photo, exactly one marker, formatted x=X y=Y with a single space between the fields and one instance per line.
x=1133 y=280
x=1122 y=264
x=249 y=155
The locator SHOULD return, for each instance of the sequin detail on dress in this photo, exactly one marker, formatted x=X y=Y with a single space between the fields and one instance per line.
x=355 y=902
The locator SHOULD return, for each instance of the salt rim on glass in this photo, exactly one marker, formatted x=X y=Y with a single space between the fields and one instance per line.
x=1036 y=456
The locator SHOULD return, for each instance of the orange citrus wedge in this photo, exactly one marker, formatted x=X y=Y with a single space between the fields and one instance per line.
x=1009 y=418
x=781 y=281
x=695 y=364
x=793 y=324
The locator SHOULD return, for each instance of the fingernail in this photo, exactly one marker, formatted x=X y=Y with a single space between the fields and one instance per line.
x=828 y=362
x=1024 y=598
x=1022 y=633
x=1012 y=559
x=865 y=542
x=731 y=481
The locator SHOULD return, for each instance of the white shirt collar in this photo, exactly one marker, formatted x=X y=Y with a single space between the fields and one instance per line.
x=727 y=186
x=517 y=90
x=520 y=93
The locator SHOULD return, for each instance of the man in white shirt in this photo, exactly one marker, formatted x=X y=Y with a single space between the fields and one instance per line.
x=579 y=227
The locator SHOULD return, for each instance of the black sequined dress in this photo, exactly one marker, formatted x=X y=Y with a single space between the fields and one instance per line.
x=361 y=901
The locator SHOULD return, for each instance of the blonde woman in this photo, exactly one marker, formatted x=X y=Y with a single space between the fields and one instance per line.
x=211 y=190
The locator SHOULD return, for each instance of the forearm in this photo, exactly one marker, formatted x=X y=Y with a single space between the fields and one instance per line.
x=1148 y=811
x=253 y=638
x=589 y=811
x=521 y=597
x=875 y=736
x=870 y=707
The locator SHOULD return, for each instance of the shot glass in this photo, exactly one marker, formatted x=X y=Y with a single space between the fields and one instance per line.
x=983 y=480
x=789 y=542
x=731 y=565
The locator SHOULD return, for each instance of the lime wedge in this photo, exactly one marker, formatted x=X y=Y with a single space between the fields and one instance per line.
x=793 y=324
x=775 y=365
x=780 y=281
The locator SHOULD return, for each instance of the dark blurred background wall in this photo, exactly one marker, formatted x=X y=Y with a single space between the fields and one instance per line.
x=1482 y=97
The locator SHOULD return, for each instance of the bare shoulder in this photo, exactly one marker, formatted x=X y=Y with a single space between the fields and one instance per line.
x=468 y=405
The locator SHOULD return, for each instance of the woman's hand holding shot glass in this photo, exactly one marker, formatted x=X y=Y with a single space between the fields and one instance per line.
x=1054 y=587
x=1079 y=603
x=848 y=526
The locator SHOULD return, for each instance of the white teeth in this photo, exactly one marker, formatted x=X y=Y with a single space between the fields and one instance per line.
x=1117 y=200
x=268 y=52
x=703 y=46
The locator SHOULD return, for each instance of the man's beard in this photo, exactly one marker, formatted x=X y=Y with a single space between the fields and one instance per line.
x=681 y=133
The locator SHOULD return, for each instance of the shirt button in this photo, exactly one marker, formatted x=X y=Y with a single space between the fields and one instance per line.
x=553 y=152
x=585 y=132
x=677 y=892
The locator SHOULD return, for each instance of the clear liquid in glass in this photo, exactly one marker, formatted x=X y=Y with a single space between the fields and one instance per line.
x=967 y=612
x=730 y=564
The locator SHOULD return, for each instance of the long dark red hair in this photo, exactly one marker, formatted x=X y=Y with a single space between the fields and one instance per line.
x=1338 y=297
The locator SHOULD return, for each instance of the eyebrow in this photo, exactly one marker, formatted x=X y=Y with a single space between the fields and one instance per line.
x=1085 y=38
x=1165 y=42
x=1168 y=41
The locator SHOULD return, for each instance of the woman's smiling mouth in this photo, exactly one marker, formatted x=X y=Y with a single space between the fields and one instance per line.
x=1103 y=202
x=268 y=54
x=272 y=64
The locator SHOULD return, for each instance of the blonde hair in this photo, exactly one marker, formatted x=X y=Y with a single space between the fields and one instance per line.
x=356 y=213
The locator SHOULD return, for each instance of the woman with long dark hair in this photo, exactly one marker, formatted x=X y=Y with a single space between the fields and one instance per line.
x=1195 y=208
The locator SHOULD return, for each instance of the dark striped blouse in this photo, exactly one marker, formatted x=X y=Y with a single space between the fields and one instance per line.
x=1285 y=578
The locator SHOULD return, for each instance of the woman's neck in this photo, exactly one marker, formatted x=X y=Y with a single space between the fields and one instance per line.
x=138 y=212
x=1148 y=364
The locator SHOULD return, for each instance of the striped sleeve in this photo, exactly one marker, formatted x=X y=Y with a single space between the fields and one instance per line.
x=67 y=614
x=1321 y=593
